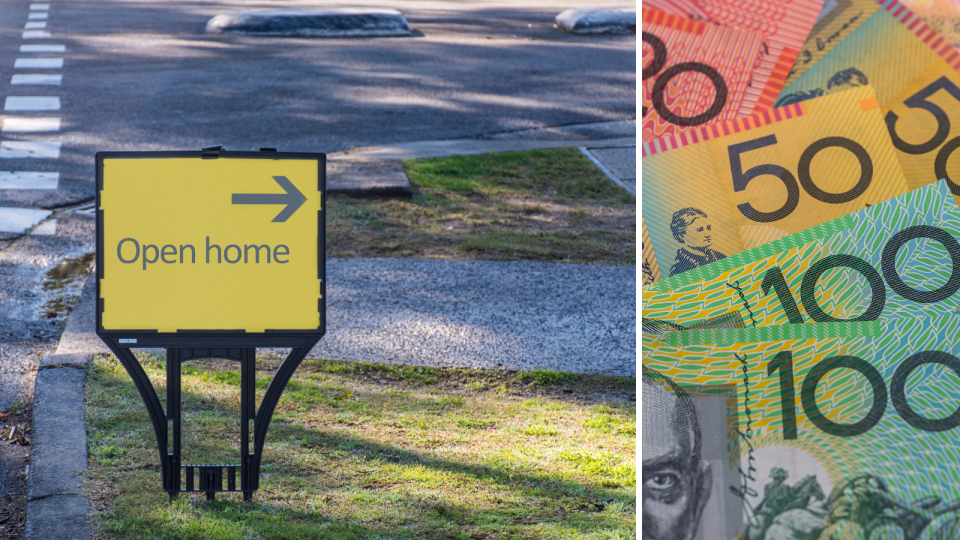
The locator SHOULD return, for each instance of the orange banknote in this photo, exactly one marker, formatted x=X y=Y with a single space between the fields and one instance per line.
x=784 y=25
x=694 y=72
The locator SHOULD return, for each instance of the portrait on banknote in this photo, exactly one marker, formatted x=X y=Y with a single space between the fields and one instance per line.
x=676 y=481
x=686 y=462
x=693 y=229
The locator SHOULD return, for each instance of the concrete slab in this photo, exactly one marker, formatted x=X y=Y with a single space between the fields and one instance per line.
x=63 y=517
x=55 y=361
x=315 y=22
x=368 y=178
x=620 y=160
x=612 y=20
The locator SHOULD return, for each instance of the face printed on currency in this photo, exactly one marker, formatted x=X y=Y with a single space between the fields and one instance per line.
x=676 y=483
x=699 y=233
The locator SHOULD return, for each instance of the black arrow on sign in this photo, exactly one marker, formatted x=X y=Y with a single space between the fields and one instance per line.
x=292 y=198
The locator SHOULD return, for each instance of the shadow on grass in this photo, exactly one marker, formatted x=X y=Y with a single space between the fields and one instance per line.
x=336 y=485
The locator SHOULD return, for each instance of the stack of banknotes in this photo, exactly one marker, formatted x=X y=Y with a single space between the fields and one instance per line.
x=801 y=270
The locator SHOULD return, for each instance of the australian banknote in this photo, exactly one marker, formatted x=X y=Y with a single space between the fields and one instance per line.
x=910 y=48
x=892 y=261
x=916 y=80
x=837 y=20
x=694 y=72
x=833 y=431
x=784 y=25
x=719 y=190
x=942 y=15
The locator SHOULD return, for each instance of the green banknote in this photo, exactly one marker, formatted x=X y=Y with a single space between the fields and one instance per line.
x=895 y=260
x=827 y=431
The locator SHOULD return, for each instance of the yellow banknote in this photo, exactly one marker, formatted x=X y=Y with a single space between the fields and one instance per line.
x=914 y=71
x=720 y=190
x=924 y=125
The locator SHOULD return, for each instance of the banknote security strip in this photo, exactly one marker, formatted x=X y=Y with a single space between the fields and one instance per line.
x=827 y=430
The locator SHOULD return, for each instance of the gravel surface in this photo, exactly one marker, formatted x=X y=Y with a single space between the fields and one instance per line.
x=482 y=314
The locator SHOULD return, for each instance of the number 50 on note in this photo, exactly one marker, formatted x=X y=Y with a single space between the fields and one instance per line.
x=725 y=188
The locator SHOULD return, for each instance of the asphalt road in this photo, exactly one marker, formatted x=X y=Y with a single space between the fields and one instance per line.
x=143 y=75
x=83 y=76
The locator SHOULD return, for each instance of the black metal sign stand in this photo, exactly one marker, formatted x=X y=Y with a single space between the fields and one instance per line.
x=210 y=477
x=238 y=345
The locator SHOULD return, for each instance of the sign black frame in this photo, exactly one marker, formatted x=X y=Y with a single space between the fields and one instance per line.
x=183 y=346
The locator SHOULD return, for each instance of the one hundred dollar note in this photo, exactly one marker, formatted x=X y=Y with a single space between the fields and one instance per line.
x=833 y=431
x=917 y=82
x=892 y=261
x=726 y=188
x=694 y=72
x=784 y=25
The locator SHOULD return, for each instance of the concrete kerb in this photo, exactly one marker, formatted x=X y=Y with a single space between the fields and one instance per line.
x=56 y=504
x=465 y=147
x=611 y=20
x=312 y=22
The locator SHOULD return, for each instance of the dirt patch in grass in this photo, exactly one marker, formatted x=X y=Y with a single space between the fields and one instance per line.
x=539 y=205
x=376 y=451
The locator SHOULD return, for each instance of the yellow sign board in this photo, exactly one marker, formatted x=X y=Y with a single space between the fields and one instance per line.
x=189 y=245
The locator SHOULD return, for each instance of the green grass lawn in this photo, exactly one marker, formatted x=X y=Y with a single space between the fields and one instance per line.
x=538 y=205
x=375 y=451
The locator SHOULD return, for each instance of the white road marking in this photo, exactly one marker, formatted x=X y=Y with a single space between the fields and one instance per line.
x=43 y=48
x=29 y=149
x=32 y=103
x=89 y=209
x=22 y=125
x=29 y=180
x=37 y=15
x=37 y=79
x=18 y=220
x=39 y=7
x=35 y=34
x=47 y=228
x=39 y=63
x=31 y=25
